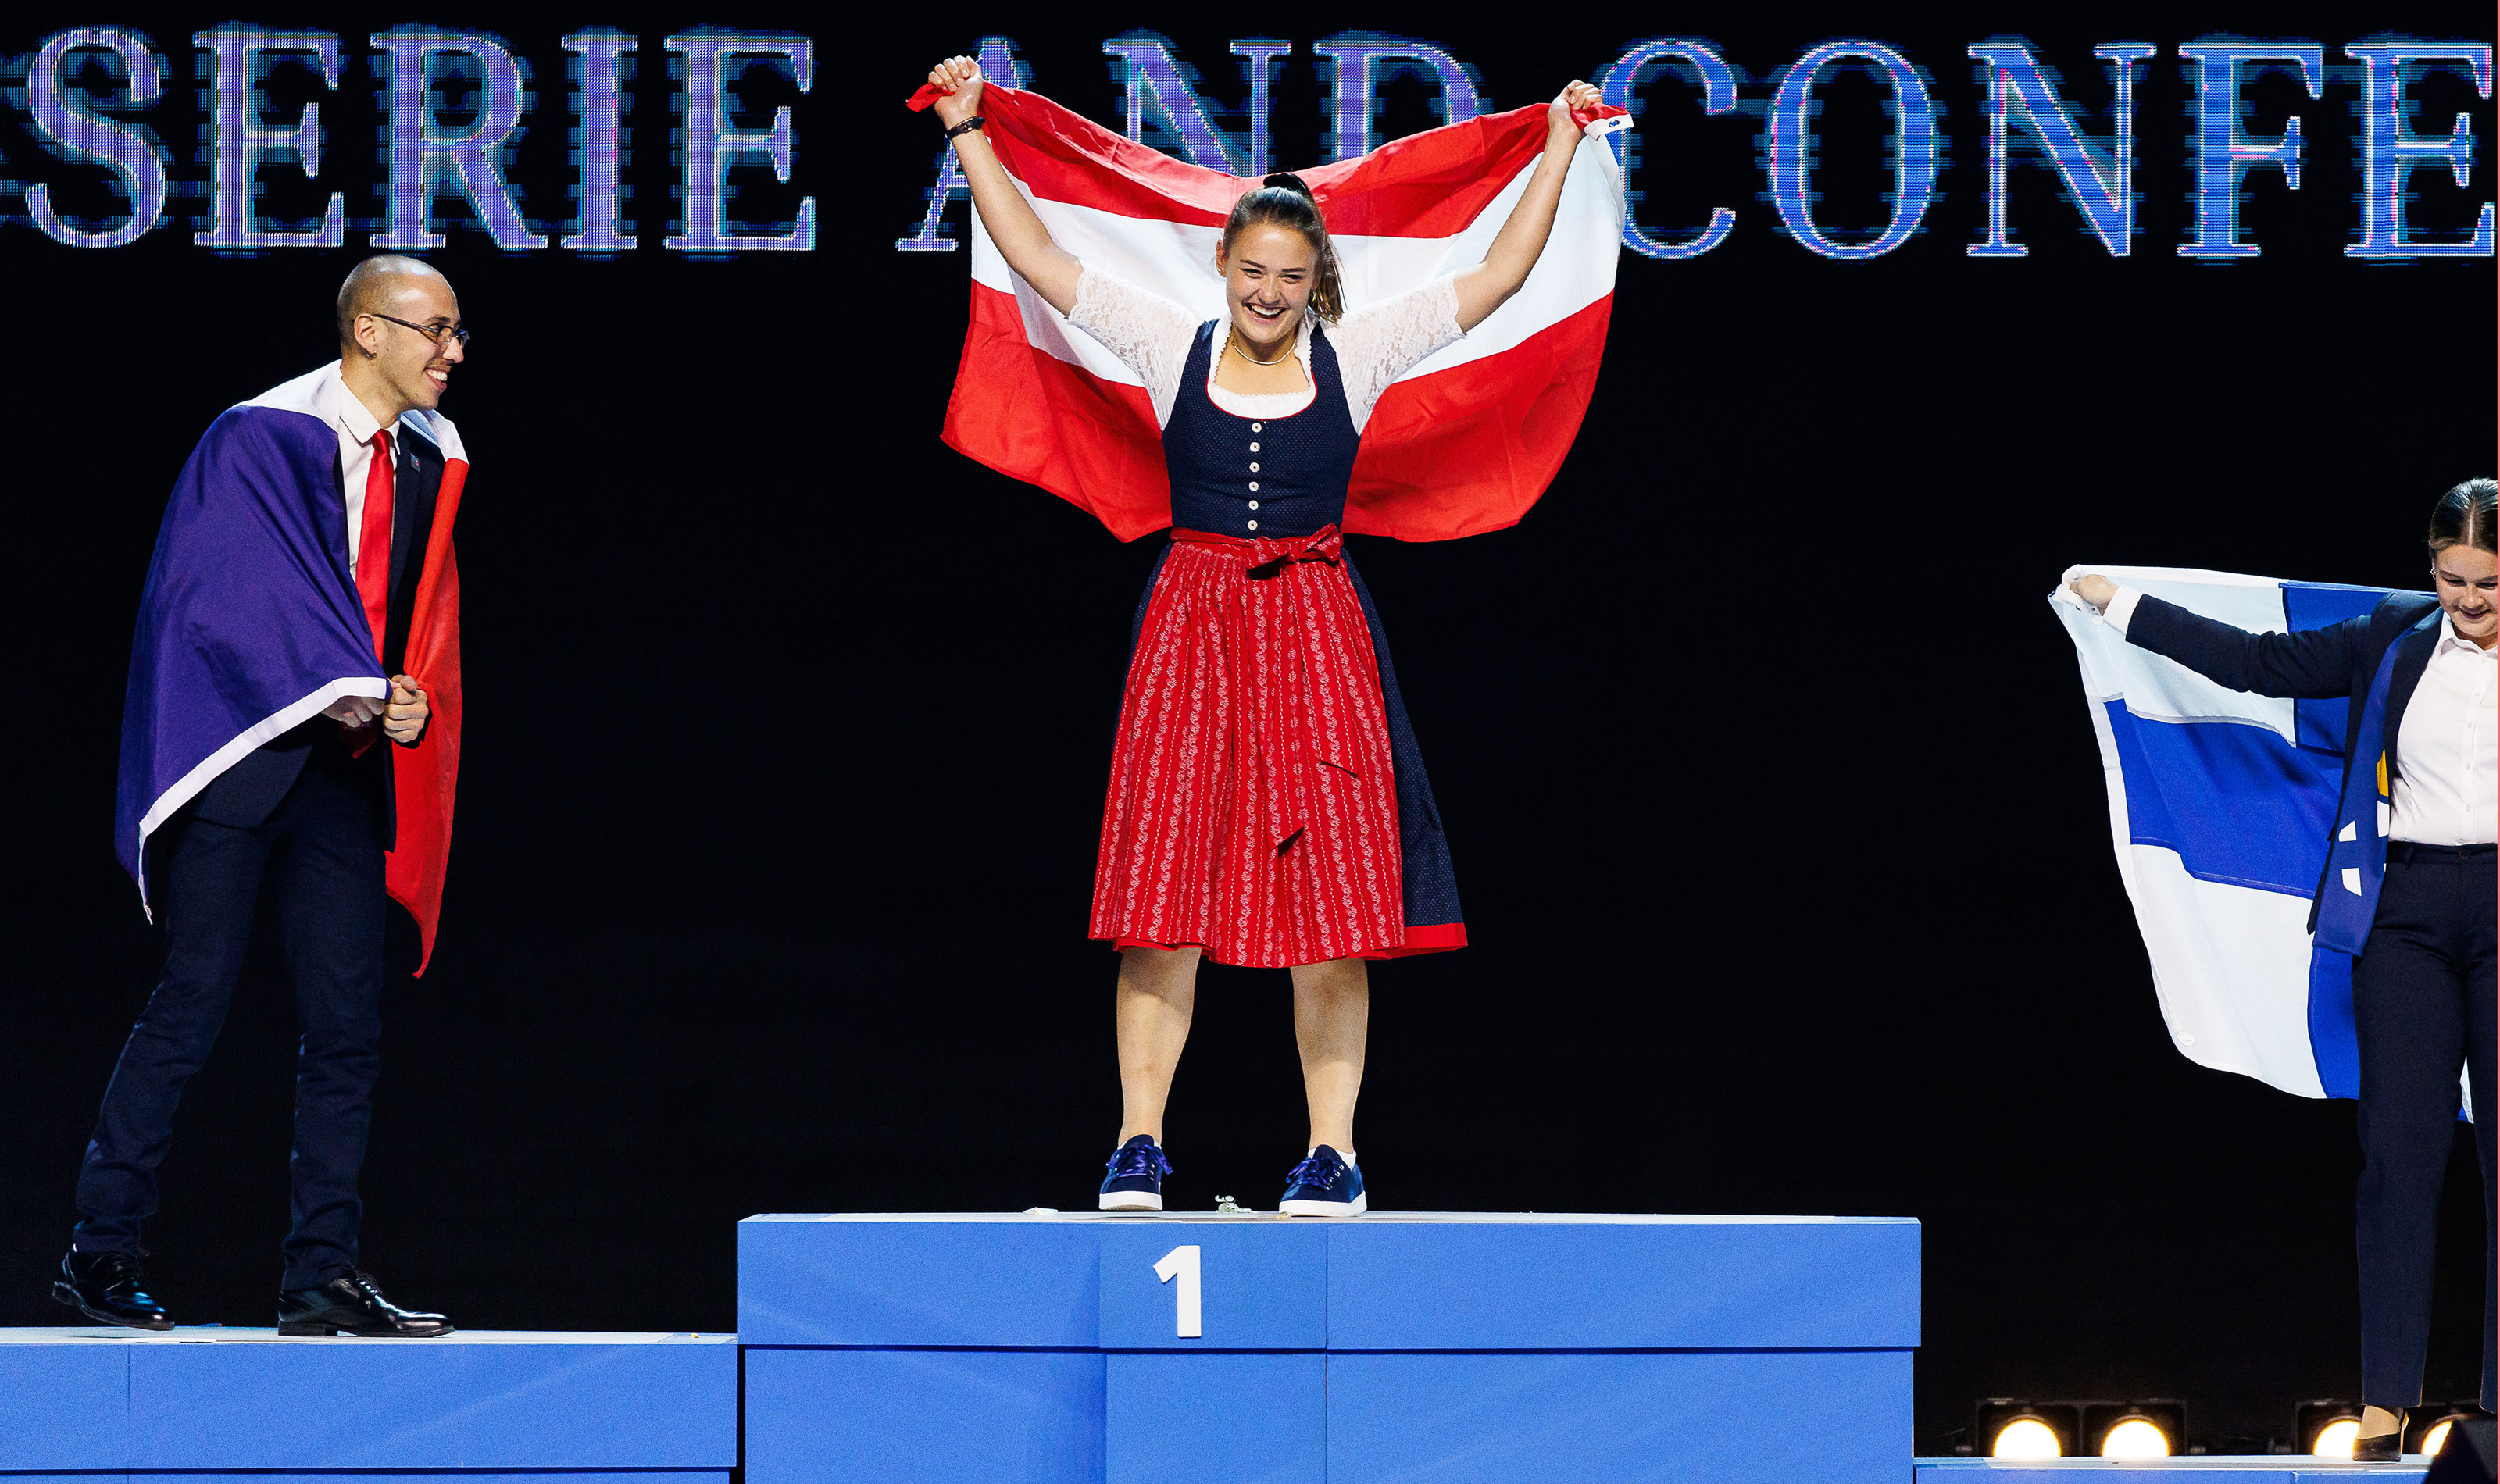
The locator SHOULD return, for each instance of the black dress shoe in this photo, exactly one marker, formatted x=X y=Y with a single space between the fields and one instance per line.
x=350 y=1304
x=2385 y=1448
x=104 y=1286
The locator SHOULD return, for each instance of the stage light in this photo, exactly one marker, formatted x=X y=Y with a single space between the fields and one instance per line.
x=2010 y=1427
x=2025 y=1437
x=2326 y=1428
x=2429 y=1429
x=2136 y=1438
x=2133 y=1430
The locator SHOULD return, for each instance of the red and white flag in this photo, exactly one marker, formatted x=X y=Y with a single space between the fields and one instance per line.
x=1463 y=442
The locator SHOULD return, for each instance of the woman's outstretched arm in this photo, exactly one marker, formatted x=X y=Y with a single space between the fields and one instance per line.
x=1021 y=238
x=2312 y=663
x=1522 y=238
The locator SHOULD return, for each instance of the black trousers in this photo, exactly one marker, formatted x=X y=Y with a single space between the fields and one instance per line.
x=318 y=858
x=2422 y=1001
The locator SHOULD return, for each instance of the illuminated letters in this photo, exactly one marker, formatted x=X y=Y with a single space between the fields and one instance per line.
x=418 y=149
x=712 y=146
x=239 y=142
x=1257 y=58
x=996 y=58
x=2015 y=82
x=1352 y=107
x=1717 y=96
x=1913 y=148
x=139 y=170
x=1154 y=84
x=2224 y=152
x=599 y=143
x=2391 y=151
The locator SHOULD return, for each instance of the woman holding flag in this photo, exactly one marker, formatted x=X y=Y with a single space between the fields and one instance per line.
x=2408 y=887
x=1267 y=806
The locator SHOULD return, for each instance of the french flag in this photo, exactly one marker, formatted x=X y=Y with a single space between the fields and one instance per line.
x=1463 y=442
x=250 y=624
x=2220 y=806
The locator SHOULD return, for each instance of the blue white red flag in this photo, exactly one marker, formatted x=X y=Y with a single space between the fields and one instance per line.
x=250 y=624
x=2221 y=804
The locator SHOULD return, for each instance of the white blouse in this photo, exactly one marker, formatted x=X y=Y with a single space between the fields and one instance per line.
x=1375 y=345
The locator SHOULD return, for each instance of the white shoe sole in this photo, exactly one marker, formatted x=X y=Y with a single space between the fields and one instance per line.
x=1354 y=1207
x=1131 y=1200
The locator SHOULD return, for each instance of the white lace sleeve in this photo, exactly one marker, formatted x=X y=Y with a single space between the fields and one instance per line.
x=1379 y=343
x=1150 y=333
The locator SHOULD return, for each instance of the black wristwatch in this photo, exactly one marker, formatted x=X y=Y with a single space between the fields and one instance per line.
x=967 y=126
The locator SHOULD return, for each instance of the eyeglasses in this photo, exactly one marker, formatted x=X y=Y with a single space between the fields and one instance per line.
x=443 y=337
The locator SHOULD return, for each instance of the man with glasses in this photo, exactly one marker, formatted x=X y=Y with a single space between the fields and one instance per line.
x=289 y=741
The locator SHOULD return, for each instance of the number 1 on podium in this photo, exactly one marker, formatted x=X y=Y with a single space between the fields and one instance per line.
x=1183 y=1263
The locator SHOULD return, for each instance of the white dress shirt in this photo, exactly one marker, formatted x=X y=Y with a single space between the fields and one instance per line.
x=355 y=427
x=2445 y=749
x=2447 y=754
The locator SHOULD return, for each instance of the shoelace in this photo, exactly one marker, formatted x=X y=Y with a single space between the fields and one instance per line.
x=1133 y=1160
x=1321 y=1167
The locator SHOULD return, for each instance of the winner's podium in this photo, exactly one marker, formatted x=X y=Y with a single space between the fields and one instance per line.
x=1492 y=1349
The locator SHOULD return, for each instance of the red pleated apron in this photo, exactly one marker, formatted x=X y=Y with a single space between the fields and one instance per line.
x=1253 y=807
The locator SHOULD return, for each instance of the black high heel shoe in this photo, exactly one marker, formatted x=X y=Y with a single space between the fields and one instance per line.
x=2384 y=1448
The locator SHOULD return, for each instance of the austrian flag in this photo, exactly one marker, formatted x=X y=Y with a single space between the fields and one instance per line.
x=1463 y=442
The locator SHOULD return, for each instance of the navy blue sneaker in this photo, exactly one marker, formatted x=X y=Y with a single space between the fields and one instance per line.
x=1137 y=1179
x=1324 y=1185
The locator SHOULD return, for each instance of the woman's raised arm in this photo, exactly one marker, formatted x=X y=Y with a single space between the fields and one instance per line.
x=1522 y=238
x=1021 y=238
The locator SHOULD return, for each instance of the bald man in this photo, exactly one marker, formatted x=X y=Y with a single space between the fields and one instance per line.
x=267 y=699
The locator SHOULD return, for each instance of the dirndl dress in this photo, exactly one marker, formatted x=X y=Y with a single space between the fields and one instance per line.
x=1267 y=802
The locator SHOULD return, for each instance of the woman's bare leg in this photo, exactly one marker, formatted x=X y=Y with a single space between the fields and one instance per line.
x=1158 y=990
x=1332 y=1021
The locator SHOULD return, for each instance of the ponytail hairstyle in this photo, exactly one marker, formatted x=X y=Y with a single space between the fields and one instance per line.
x=2465 y=517
x=1282 y=200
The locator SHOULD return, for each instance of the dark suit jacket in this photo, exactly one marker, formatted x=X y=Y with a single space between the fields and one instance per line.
x=243 y=795
x=2315 y=664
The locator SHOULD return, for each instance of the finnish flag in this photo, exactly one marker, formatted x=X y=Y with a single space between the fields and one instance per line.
x=2220 y=806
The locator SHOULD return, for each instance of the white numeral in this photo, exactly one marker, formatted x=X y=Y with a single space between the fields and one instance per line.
x=1183 y=1263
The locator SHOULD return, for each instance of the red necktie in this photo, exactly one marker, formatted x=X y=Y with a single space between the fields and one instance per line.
x=373 y=547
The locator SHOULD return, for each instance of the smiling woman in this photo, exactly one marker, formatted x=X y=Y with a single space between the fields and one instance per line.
x=1268 y=803
x=2408 y=887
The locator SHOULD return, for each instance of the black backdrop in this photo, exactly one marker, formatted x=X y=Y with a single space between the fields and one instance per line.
x=1775 y=803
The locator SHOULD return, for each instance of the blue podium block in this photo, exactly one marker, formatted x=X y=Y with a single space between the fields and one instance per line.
x=1772 y=1417
x=1001 y=1415
x=1138 y=1349
x=470 y=1406
x=1256 y=1287
x=1256 y=1418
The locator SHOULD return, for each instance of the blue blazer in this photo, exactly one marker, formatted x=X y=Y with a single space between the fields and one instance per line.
x=2315 y=664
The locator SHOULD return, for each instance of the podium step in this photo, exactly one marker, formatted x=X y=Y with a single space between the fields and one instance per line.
x=241 y=1403
x=1449 y=1348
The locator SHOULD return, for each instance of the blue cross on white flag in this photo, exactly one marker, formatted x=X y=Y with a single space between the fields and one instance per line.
x=2221 y=804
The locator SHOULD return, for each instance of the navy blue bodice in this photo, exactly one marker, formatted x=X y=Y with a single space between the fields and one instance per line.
x=1272 y=476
